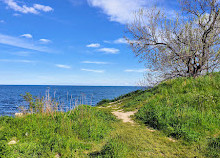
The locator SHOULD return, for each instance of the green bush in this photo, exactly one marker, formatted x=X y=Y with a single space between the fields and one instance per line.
x=104 y=101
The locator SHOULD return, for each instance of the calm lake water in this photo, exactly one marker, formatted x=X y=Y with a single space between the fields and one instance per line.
x=10 y=96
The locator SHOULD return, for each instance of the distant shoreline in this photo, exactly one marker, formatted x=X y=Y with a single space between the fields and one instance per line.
x=70 y=85
x=11 y=97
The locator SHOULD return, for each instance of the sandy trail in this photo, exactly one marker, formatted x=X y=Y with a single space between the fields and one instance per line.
x=124 y=116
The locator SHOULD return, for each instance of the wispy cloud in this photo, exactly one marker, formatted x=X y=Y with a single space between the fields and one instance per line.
x=121 y=41
x=117 y=41
x=43 y=8
x=22 y=53
x=16 y=14
x=95 y=62
x=27 y=35
x=35 y=9
x=2 y=21
x=45 y=41
x=93 y=45
x=16 y=61
x=21 y=43
x=109 y=50
x=91 y=70
x=137 y=70
x=106 y=41
x=63 y=66
x=120 y=10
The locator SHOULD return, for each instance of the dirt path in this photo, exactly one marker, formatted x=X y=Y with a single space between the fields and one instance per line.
x=124 y=116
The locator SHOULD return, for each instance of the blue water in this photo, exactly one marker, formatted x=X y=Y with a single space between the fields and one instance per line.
x=11 y=99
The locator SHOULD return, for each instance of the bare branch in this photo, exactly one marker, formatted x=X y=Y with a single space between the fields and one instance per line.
x=187 y=46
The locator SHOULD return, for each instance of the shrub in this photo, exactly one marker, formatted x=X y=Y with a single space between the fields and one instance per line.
x=104 y=101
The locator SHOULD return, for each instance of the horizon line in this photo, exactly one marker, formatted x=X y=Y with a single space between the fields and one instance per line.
x=69 y=85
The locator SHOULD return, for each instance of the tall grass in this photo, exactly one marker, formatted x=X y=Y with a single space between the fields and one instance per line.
x=45 y=130
x=49 y=104
x=185 y=108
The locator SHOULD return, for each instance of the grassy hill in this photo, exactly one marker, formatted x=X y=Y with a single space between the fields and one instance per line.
x=183 y=108
x=177 y=118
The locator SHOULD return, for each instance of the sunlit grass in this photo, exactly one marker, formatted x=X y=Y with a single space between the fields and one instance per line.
x=187 y=109
x=46 y=135
x=184 y=112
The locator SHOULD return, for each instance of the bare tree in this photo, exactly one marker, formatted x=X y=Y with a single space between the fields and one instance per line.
x=186 y=45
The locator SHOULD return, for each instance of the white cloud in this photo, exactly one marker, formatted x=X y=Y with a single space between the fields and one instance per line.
x=25 y=9
x=137 y=70
x=45 y=41
x=63 y=66
x=43 y=7
x=95 y=62
x=21 y=43
x=93 y=45
x=105 y=41
x=22 y=53
x=121 y=41
x=16 y=14
x=91 y=70
x=2 y=21
x=16 y=61
x=109 y=50
x=27 y=36
x=120 y=10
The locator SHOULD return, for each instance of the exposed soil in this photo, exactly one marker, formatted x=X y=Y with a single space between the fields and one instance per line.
x=124 y=116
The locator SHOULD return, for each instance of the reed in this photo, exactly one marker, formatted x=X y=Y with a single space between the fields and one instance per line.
x=48 y=131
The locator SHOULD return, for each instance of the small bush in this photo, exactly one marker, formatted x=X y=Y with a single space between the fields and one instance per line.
x=104 y=101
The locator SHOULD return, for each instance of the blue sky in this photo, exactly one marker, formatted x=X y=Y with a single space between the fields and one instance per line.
x=69 y=42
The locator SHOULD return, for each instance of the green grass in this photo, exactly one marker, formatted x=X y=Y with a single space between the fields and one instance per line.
x=184 y=112
x=84 y=132
x=42 y=135
x=185 y=108
x=128 y=141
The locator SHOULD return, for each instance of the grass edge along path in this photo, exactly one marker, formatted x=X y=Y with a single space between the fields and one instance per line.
x=95 y=132
x=121 y=140
x=185 y=108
